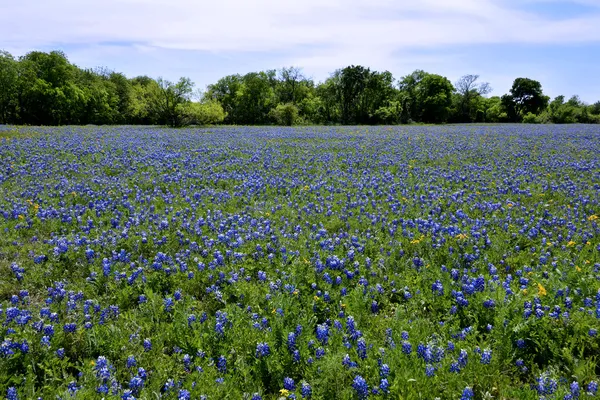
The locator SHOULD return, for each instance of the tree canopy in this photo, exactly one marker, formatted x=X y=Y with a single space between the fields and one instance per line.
x=46 y=89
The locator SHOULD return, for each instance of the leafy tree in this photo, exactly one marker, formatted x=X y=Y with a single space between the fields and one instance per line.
x=144 y=93
x=47 y=91
x=526 y=96
x=493 y=110
x=8 y=78
x=293 y=86
x=285 y=114
x=408 y=95
x=469 y=94
x=434 y=98
x=202 y=113
x=167 y=102
x=329 y=92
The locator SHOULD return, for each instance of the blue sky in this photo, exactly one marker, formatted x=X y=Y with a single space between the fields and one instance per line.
x=556 y=42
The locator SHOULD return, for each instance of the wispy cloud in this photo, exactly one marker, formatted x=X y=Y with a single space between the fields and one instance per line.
x=318 y=34
x=380 y=25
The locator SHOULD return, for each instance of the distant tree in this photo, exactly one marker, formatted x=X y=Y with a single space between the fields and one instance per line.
x=434 y=98
x=8 y=80
x=227 y=91
x=361 y=92
x=291 y=81
x=408 y=95
x=469 y=93
x=493 y=110
x=47 y=90
x=329 y=92
x=167 y=102
x=526 y=96
x=121 y=87
x=202 y=113
x=285 y=114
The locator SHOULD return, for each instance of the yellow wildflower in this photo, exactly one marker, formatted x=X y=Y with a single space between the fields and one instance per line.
x=541 y=290
x=284 y=392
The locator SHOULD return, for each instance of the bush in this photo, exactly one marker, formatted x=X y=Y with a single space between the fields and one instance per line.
x=285 y=114
x=206 y=113
x=530 y=118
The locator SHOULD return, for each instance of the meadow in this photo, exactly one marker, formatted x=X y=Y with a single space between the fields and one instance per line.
x=450 y=262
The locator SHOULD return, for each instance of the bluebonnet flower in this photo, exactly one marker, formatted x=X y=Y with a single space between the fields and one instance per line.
x=323 y=333
x=486 y=356
x=319 y=353
x=348 y=363
x=288 y=384
x=384 y=385
x=131 y=362
x=406 y=347
x=296 y=356
x=592 y=388
x=73 y=388
x=429 y=370
x=11 y=393
x=168 y=303
x=463 y=358
x=361 y=348
x=384 y=370
x=222 y=364
x=467 y=394
x=262 y=350
x=291 y=341
x=305 y=390
x=147 y=344
x=360 y=387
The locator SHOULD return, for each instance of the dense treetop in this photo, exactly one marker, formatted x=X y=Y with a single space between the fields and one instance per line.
x=46 y=89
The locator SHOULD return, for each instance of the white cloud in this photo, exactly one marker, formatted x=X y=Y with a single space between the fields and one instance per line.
x=320 y=35
x=379 y=26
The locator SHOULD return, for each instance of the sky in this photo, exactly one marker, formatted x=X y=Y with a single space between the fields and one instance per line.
x=554 y=41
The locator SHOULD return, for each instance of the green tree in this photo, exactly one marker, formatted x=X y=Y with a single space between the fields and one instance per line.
x=285 y=114
x=408 y=95
x=468 y=100
x=526 y=96
x=46 y=92
x=202 y=113
x=434 y=98
x=8 y=79
x=167 y=101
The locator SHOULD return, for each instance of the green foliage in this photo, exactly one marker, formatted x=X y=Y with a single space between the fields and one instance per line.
x=526 y=96
x=203 y=113
x=285 y=114
x=8 y=79
x=46 y=89
x=530 y=118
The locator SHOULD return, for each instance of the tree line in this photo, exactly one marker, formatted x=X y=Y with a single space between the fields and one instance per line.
x=42 y=88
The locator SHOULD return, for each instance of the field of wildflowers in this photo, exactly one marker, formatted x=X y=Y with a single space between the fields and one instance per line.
x=456 y=262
